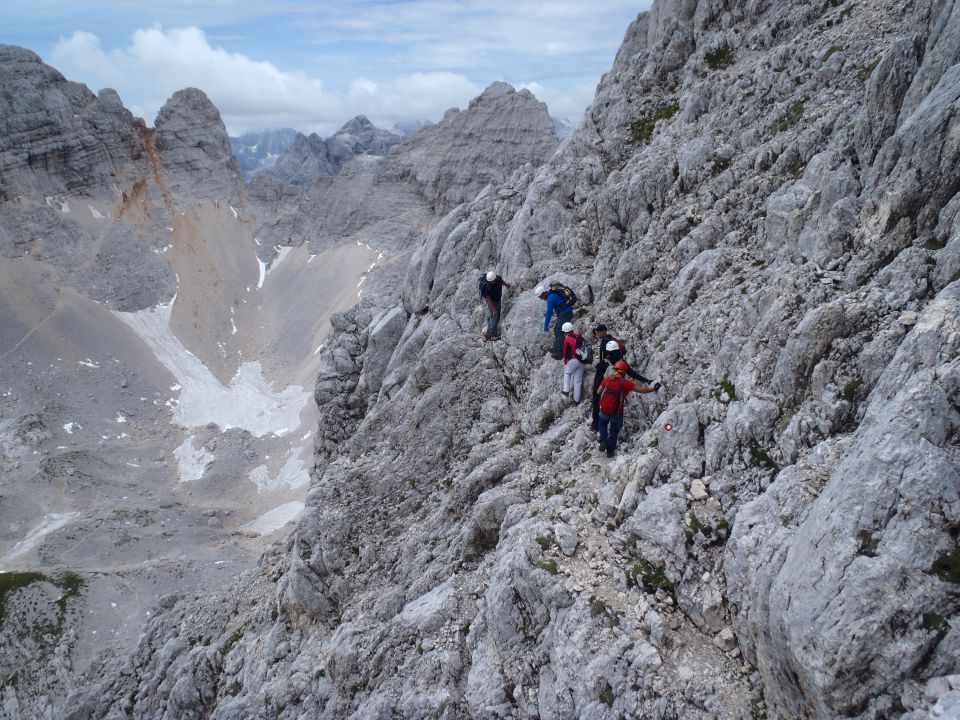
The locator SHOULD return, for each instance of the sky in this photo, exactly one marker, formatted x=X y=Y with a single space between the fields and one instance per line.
x=314 y=64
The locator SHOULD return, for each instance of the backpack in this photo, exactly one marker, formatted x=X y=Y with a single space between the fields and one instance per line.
x=584 y=351
x=568 y=295
x=612 y=397
x=484 y=286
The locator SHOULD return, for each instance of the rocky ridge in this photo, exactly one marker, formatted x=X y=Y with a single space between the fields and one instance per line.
x=388 y=201
x=310 y=154
x=260 y=150
x=761 y=200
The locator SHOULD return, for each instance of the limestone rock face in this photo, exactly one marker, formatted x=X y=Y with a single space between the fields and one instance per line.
x=776 y=533
x=307 y=157
x=344 y=188
x=310 y=156
x=58 y=137
x=453 y=160
x=357 y=137
x=195 y=149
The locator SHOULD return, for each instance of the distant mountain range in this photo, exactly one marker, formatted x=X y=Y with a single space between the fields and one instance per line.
x=260 y=150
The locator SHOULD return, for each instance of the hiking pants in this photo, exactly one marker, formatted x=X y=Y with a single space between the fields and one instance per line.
x=558 y=334
x=595 y=399
x=493 y=320
x=610 y=427
x=573 y=375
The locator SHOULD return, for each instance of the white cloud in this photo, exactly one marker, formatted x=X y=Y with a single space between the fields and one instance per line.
x=252 y=95
x=568 y=104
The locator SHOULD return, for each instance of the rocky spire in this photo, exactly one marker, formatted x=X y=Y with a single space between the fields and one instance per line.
x=194 y=148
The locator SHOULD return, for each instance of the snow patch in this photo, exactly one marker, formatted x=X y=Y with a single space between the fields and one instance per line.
x=281 y=255
x=50 y=523
x=88 y=363
x=293 y=474
x=121 y=418
x=64 y=206
x=97 y=215
x=233 y=210
x=249 y=402
x=263 y=273
x=70 y=427
x=191 y=460
x=275 y=519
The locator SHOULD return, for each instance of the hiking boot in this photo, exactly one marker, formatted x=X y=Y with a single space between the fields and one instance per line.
x=603 y=446
x=487 y=336
x=610 y=453
x=493 y=337
x=594 y=427
x=555 y=355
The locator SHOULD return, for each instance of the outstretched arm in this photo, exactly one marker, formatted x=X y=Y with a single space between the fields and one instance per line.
x=637 y=376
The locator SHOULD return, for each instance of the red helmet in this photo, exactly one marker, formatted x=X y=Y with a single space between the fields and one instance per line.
x=621 y=366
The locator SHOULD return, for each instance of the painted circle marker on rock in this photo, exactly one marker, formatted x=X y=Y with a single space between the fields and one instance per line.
x=668 y=427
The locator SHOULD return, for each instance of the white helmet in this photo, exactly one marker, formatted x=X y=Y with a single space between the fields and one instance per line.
x=612 y=345
x=539 y=290
x=567 y=327
x=491 y=276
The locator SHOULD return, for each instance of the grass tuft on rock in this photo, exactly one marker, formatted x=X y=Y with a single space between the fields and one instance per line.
x=947 y=567
x=644 y=574
x=791 y=117
x=720 y=58
x=642 y=130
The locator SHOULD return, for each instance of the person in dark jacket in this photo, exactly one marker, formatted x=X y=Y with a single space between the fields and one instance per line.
x=611 y=351
x=492 y=294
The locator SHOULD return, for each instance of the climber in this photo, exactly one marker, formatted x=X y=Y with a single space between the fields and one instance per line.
x=573 y=362
x=560 y=301
x=612 y=395
x=491 y=290
x=611 y=351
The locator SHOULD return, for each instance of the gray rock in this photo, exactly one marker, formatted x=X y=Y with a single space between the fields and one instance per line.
x=194 y=147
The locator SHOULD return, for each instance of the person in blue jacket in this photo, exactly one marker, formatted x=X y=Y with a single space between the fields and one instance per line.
x=556 y=305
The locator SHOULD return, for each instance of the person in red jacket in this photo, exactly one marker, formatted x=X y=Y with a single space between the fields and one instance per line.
x=612 y=392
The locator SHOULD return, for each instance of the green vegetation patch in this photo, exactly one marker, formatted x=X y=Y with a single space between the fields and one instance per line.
x=547 y=420
x=850 y=390
x=868 y=543
x=725 y=386
x=549 y=565
x=233 y=639
x=932 y=621
x=865 y=74
x=70 y=585
x=720 y=58
x=792 y=116
x=544 y=541
x=644 y=574
x=830 y=51
x=720 y=164
x=606 y=695
x=761 y=458
x=642 y=130
x=934 y=243
x=947 y=567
